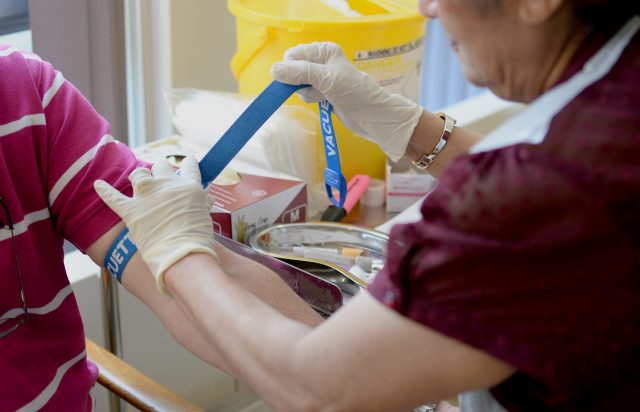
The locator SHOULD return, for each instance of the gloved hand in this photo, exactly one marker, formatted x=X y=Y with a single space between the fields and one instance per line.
x=363 y=106
x=168 y=215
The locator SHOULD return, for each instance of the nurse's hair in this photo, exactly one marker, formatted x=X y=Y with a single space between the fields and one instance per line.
x=595 y=12
x=605 y=12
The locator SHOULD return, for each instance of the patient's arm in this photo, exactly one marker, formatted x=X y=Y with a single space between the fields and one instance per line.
x=259 y=280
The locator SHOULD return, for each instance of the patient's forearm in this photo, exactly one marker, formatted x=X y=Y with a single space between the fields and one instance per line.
x=138 y=280
x=256 y=278
x=251 y=336
x=265 y=284
x=252 y=276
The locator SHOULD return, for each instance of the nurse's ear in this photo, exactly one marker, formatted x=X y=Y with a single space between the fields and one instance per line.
x=536 y=12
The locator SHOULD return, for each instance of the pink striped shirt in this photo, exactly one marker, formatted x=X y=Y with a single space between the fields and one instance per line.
x=53 y=145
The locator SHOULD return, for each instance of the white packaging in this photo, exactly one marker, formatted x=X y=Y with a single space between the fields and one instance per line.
x=405 y=187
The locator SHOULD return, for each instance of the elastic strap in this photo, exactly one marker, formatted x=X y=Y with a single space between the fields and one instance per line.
x=245 y=126
x=120 y=252
x=233 y=140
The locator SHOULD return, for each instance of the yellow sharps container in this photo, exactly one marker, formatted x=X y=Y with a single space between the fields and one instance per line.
x=381 y=37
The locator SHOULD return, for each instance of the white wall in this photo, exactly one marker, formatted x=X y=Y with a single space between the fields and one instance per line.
x=85 y=40
x=203 y=42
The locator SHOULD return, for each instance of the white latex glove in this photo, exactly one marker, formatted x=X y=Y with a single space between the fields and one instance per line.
x=168 y=215
x=363 y=106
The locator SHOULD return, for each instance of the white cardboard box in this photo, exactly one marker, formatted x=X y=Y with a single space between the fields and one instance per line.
x=406 y=187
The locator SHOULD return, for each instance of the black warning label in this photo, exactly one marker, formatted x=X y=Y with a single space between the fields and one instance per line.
x=389 y=51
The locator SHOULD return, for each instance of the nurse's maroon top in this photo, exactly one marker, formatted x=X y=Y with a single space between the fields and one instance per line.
x=531 y=252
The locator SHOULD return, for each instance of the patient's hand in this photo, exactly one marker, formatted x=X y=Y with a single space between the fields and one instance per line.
x=265 y=284
x=238 y=266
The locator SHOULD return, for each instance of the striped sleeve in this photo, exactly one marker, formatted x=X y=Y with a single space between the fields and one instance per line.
x=79 y=149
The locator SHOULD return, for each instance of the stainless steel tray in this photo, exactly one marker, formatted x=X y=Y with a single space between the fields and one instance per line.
x=346 y=255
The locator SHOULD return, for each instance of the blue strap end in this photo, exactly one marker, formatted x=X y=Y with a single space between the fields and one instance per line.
x=120 y=252
x=333 y=180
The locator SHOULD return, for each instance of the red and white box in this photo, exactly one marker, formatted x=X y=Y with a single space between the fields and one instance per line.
x=255 y=202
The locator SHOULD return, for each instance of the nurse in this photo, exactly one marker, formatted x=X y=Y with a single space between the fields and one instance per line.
x=517 y=290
